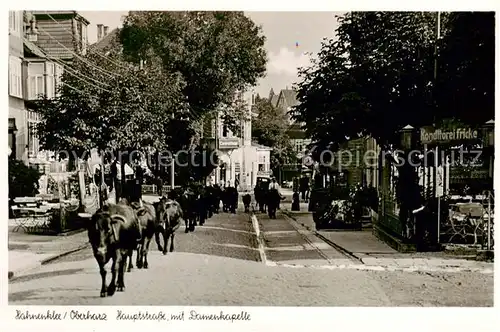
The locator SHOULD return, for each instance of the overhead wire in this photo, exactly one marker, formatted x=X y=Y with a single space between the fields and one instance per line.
x=196 y=116
x=78 y=56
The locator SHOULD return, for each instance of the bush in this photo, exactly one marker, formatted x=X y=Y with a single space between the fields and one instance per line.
x=23 y=180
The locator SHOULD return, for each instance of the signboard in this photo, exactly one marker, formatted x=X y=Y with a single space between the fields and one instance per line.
x=433 y=135
x=229 y=143
x=458 y=174
x=264 y=173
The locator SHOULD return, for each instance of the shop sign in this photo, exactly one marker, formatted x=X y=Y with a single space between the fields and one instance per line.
x=432 y=135
x=225 y=144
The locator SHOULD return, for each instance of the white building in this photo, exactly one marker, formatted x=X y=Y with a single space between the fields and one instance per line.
x=240 y=159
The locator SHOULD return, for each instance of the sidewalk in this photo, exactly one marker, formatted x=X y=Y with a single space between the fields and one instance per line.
x=27 y=251
x=370 y=251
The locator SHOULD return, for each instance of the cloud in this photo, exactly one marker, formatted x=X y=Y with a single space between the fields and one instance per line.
x=286 y=62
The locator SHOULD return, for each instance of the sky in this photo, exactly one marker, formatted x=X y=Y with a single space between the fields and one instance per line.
x=282 y=30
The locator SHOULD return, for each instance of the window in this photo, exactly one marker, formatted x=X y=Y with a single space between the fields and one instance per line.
x=15 y=81
x=51 y=80
x=224 y=130
x=262 y=159
x=58 y=76
x=36 y=80
x=261 y=168
x=15 y=22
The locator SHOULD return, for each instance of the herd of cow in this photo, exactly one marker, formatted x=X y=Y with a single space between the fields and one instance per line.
x=117 y=230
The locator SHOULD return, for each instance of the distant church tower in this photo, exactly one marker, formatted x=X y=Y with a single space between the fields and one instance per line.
x=271 y=94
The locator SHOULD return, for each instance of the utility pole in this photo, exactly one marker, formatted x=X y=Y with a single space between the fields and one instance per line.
x=172 y=172
x=437 y=163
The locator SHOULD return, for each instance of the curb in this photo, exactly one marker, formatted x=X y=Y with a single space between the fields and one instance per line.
x=259 y=236
x=65 y=253
x=329 y=242
x=12 y=275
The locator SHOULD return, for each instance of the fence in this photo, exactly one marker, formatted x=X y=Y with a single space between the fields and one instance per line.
x=470 y=223
x=151 y=189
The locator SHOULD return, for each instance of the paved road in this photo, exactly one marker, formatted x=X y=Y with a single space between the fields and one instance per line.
x=219 y=264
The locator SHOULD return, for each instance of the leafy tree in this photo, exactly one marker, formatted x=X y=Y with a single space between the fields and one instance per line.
x=466 y=89
x=380 y=74
x=374 y=79
x=108 y=104
x=217 y=53
x=23 y=180
x=269 y=128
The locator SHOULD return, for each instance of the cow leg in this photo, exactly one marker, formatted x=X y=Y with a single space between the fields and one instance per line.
x=102 y=272
x=129 y=255
x=172 y=235
x=138 y=261
x=166 y=235
x=145 y=251
x=159 y=231
x=112 y=284
x=186 y=224
x=120 y=287
x=192 y=225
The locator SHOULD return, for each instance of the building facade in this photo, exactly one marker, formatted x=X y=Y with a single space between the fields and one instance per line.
x=286 y=100
x=17 y=117
x=41 y=46
x=241 y=161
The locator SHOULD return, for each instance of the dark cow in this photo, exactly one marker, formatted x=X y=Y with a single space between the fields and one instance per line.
x=247 y=199
x=189 y=204
x=146 y=214
x=114 y=233
x=169 y=216
x=217 y=196
x=272 y=199
x=230 y=200
x=261 y=191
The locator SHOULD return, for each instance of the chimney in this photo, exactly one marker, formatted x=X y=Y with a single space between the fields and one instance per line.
x=99 y=32
x=106 y=28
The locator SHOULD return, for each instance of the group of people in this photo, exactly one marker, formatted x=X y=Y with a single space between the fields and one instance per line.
x=268 y=196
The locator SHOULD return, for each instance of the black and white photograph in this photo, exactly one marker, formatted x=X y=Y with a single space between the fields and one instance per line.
x=250 y=158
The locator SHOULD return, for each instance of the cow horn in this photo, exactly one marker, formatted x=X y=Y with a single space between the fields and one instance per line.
x=141 y=211
x=114 y=218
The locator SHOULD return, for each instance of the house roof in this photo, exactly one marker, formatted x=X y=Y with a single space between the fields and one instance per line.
x=107 y=41
x=259 y=146
x=31 y=49
x=274 y=100
x=43 y=14
x=290 y=97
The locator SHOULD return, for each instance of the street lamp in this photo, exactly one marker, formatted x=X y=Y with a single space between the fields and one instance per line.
x=488 y=145
x=407 y=137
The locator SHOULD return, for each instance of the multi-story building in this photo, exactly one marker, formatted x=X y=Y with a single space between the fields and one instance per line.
x=241 y=161
x=285 y=100
x=62 y=34
x=40 y=46
x=17 y=122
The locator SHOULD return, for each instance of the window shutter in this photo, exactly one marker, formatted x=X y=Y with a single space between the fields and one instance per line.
x=51 y=85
